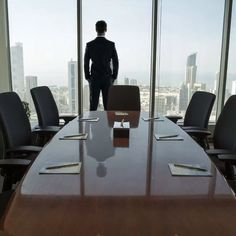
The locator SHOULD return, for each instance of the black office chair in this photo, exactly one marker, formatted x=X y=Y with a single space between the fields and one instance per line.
x=197 y=115
x=198 y=111
x=19 y=141
x=224 y=139
x=46 y=107
x=123 y=98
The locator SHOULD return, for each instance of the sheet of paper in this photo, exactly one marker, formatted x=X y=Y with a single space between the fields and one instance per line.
x=185 y=171
x=62 y=168
x=82 y=136
x=121 y=125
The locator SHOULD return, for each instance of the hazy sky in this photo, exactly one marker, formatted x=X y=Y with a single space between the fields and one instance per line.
x=47 y=29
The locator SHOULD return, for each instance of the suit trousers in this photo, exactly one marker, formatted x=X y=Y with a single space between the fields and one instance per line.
x=96 y=85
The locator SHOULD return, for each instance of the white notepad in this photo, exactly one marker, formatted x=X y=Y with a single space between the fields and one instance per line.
x=121 y=125
x=62 y=168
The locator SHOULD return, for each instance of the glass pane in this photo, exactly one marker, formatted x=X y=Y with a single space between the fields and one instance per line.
x=43 y=50
x=231 y=76
x=190 y=48
x=129 y=26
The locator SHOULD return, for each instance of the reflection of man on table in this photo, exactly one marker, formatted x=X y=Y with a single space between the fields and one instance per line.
x=99 y=144
x=104 y=68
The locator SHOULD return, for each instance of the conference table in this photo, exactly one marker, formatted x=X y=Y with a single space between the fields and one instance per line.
x=124 y=187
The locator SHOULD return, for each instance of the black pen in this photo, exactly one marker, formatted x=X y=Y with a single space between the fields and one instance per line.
x=169 y=136
x=190 y=167
x=61 y=166
x=74 y=135
x=152 y=118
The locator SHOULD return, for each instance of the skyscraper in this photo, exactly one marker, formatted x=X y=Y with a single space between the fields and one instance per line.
x=233 y=90
x=17 y=69
x=30 y=82
x=126 y=81
x=191 y=70
x=73 y=86
x=160 y=104
x=86 y=97
x=183 y=97
x=133 y=82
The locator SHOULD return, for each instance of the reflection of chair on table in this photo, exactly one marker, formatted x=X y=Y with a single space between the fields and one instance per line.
x=99 y=144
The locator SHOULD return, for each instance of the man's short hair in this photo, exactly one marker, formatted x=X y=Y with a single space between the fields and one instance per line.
x=101 y=27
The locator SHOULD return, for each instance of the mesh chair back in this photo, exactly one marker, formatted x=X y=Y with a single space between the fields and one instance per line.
x=45 y=106
x=225 y=129
x=123 y=98
x=199 y=109
x=14 y=121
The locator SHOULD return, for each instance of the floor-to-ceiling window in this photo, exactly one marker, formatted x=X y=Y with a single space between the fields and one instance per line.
x=44 y=48
x=190 y=51
x=231 y=75
x=43 y=51
x=129 y=26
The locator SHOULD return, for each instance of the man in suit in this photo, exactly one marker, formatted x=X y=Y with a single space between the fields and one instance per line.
x=104 y=66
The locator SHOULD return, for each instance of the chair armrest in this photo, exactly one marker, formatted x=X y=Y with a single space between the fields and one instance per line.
x=9 y=164
x=214 y=152
x=192 y=128
x=46 y=130
x=199 y=133
x=67 y=118
x=174 y=118
x=13 y=170
x=228 y=157
x=24 y=149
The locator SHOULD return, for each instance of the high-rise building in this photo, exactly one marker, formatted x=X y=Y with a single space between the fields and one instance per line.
x=216 y=82
x=233 y=90
x=183 y=97
x=126 y=81
x=17 y=69
x=133 y=82
x=30 y=82
x=191 y=73
x=86 y=97
x=73 y=85
x=199 y=87
x=160 y=104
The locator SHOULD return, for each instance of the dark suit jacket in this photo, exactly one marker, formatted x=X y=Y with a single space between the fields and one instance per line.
x=103 y=55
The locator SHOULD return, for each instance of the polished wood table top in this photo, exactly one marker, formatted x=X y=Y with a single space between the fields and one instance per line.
x=125 y=186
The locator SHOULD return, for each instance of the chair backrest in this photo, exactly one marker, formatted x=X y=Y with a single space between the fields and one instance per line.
x=45 y=106
x=225 y=129
x=199 y=109
x=123 y=98
x=14 y=121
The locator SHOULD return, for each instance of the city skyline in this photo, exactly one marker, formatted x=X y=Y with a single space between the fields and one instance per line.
x=189 y=47
x=183 y=31
x=168 y=100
